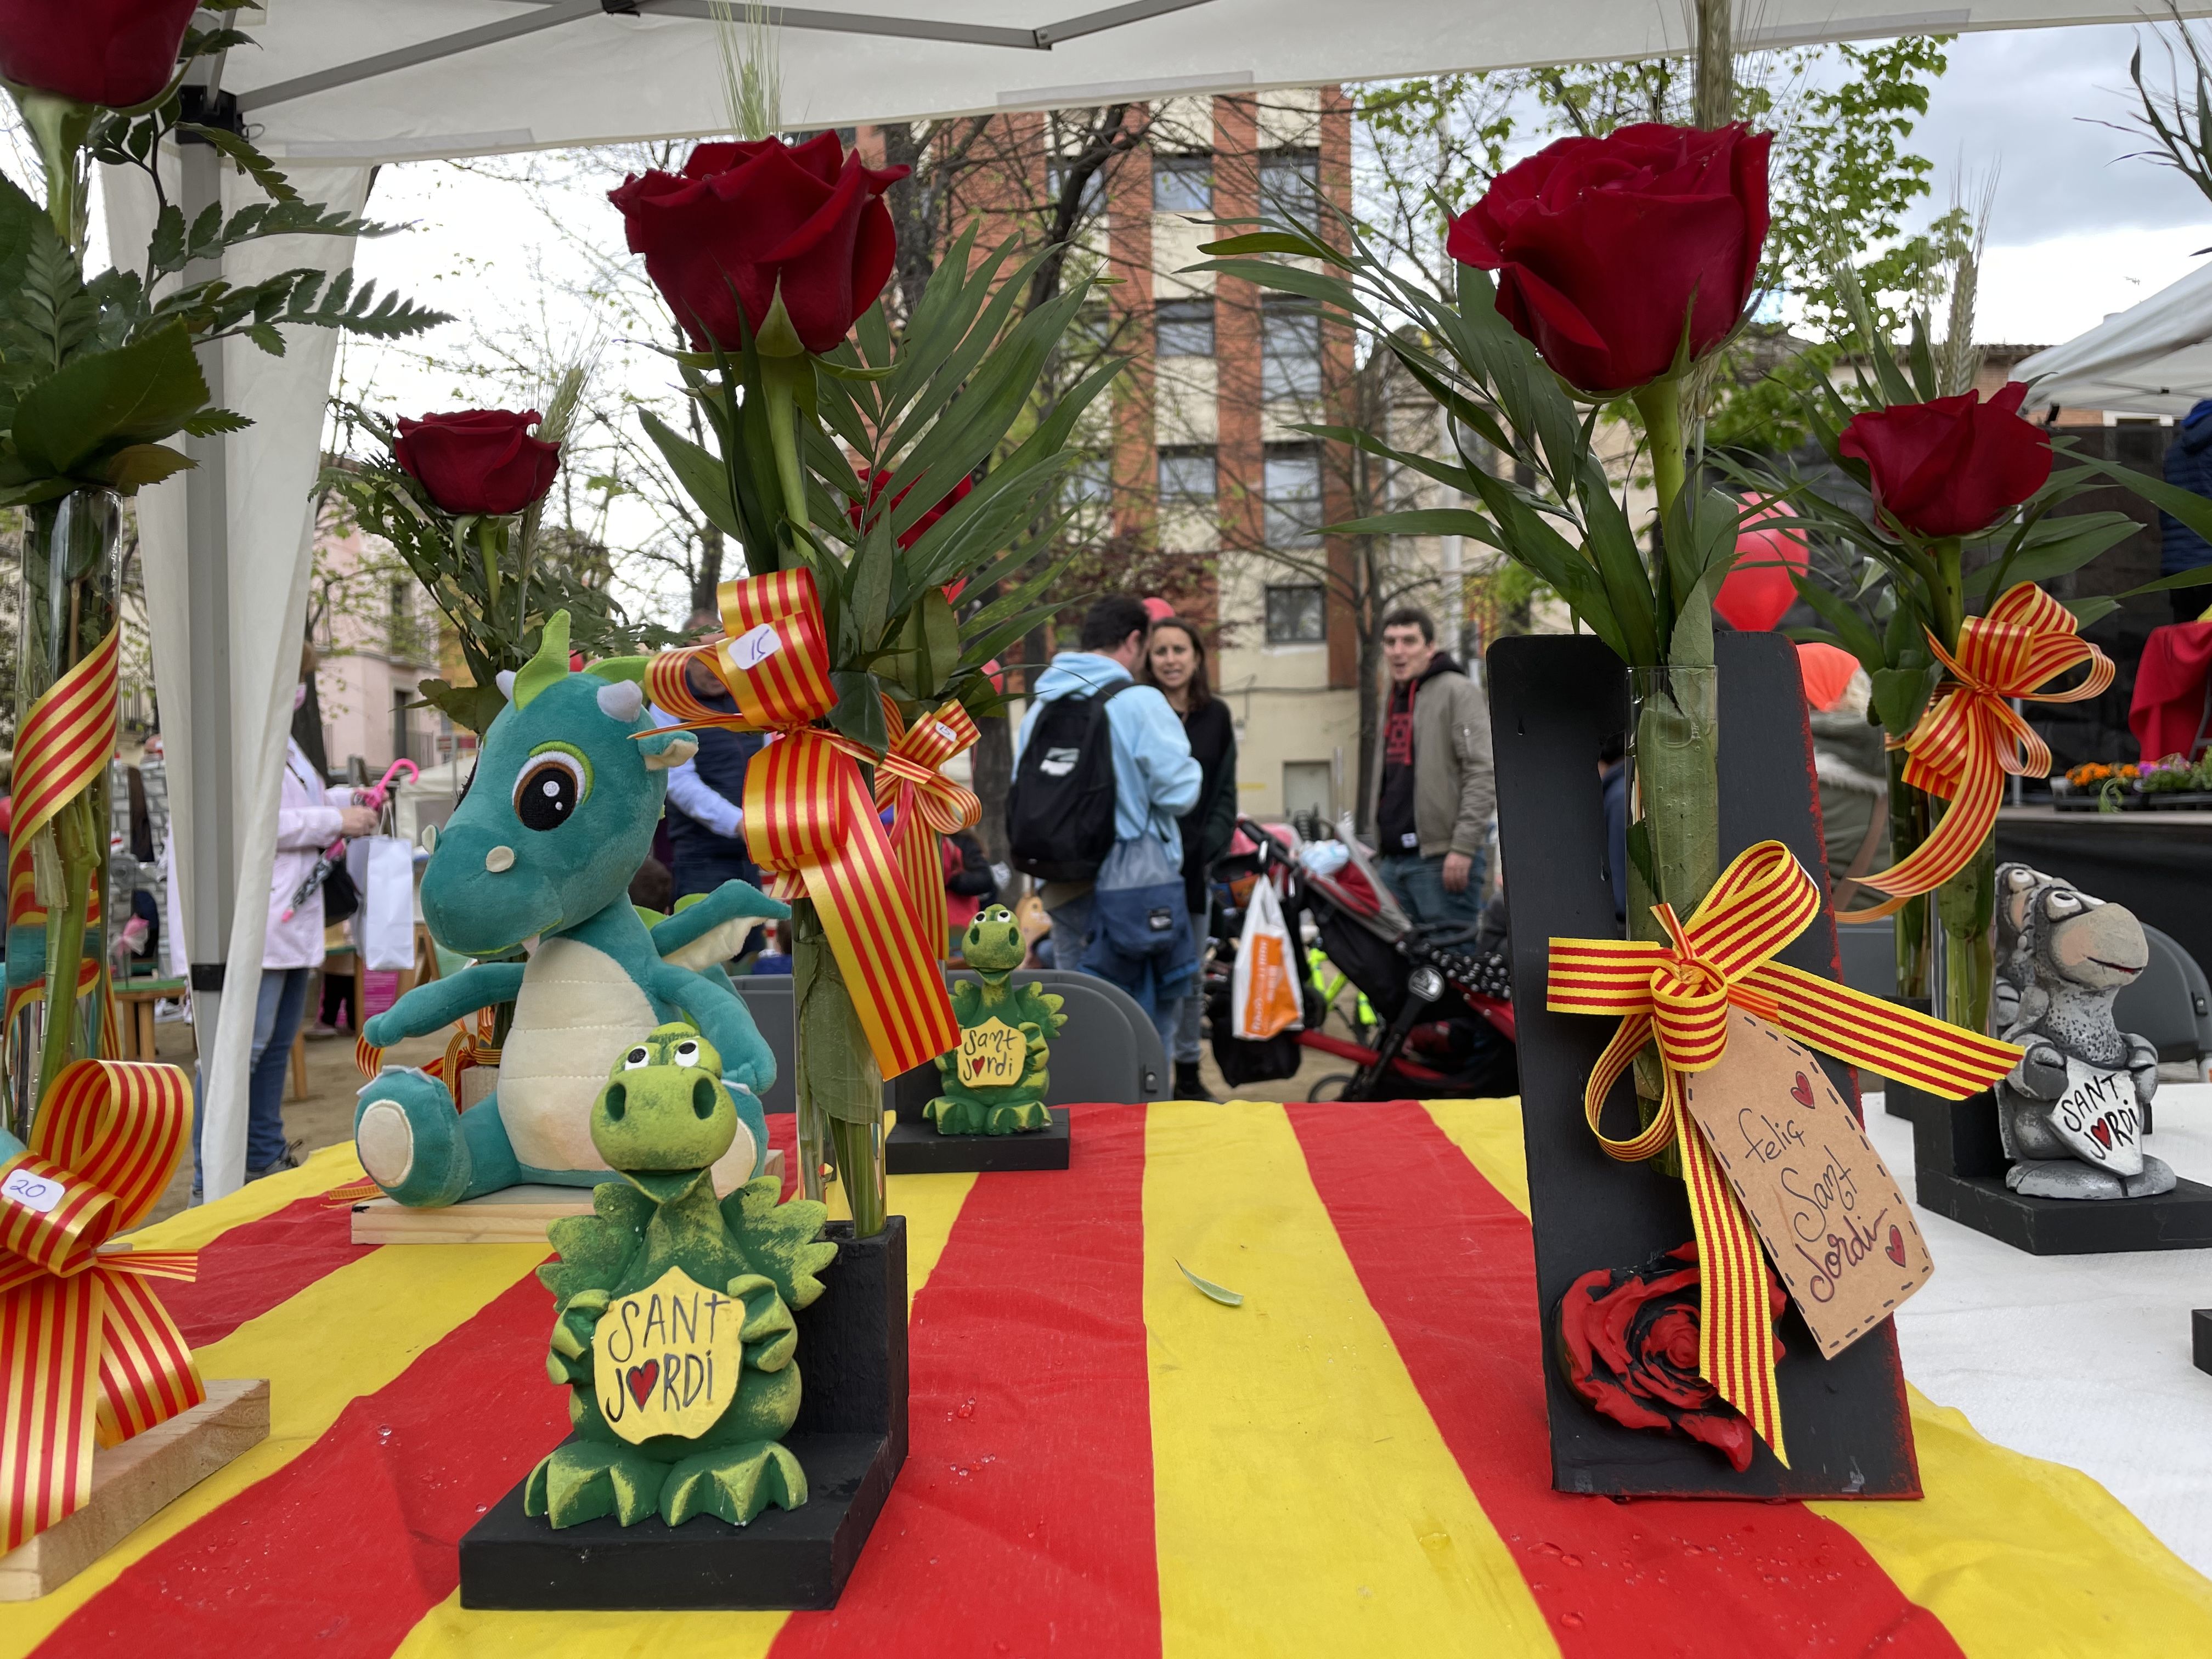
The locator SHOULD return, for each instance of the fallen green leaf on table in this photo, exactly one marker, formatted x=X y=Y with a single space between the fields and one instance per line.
x=1227 y=1298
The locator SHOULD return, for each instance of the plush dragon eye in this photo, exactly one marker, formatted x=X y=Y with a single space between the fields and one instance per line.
x=685 y=1052
x=636 y=1057
x=552 y=786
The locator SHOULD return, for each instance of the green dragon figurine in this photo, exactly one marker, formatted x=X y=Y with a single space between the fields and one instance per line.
x=673 y=1312
x=994 y=1081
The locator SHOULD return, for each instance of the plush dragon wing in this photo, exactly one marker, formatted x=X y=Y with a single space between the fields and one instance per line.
x=709 y=928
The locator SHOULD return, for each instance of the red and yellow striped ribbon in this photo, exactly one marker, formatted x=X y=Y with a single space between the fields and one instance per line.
x=68 y=734
x=87 y=1354
x=1679 y=993
x=808 y=815
x=1971 y=736
x=925 y=804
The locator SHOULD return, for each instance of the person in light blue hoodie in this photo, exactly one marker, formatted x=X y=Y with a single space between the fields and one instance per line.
x=1156 y=781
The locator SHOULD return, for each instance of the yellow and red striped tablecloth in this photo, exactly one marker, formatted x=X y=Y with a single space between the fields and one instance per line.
x=1104 y=1462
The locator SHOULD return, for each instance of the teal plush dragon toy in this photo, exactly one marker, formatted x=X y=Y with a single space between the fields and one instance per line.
x=672 y=1310
x=538 y=857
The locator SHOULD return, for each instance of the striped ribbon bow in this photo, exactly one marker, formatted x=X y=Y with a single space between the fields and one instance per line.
x=807 y=813
x=1971 y=736
x=108 y=1139
x=1679 y=993
x=925 y=804
x=67 y=735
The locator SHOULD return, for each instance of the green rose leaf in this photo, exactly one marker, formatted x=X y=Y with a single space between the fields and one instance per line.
x=136 y=394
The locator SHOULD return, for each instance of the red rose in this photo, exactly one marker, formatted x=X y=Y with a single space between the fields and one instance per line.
x=116 y=52
x=764 y=219
x=1954 y=465
x=1626 y=1342
x=877 y=484
x=479 y=461
x=1605 y=247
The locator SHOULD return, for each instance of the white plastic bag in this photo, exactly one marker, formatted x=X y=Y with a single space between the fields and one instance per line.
x=1263 y=991
x=383 y=868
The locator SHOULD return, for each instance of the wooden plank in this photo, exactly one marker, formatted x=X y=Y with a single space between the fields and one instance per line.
x=519 y=1215
x=131 y=1482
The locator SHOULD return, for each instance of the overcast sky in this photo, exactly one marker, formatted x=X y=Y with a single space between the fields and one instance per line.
x=2078 y=230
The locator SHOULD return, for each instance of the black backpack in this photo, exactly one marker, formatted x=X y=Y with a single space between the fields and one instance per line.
x=1060 y=811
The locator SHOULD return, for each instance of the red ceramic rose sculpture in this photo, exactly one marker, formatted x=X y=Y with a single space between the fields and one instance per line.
x=1954 y=465
x=912 y=533
x=746 y=224
x=479 y=461
x=1604 y=247
x=1626 y=1341
x=115 y=52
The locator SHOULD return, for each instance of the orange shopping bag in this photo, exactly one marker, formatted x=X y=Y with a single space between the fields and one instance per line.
x=1263 y=994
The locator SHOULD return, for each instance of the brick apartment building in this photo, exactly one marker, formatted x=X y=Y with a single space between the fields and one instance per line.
x=1196 y=485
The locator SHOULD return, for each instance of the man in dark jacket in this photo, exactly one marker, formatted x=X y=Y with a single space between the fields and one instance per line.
x=1434 y=791
x=2188 y=467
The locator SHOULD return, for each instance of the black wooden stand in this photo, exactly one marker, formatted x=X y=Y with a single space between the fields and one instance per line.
x=1553 y=700
x=850 y=1438
x=914 y=1147
x=1959 y=1165
x=2199 y=1328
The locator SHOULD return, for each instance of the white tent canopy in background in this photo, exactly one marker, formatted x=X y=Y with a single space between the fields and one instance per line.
x=2153 y=358
x=332 y=88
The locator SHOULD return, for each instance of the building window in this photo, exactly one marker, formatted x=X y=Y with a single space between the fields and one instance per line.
x=1182 y=184
x=1092 y=204
x=1185 y=328
x=1289 y=185
x=1089 y=483
x=1290 y=348
x=1297 y=615
x=1293 y=490
x=1187 y=474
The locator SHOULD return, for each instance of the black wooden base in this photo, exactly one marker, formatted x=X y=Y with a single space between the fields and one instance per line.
x=850 y=1437
x=2200 y=1330
x=1959 y=1171
x=1554 y=699
x=914 y=1147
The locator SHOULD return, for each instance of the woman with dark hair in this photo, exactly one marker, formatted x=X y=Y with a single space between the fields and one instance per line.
x=1175 y=661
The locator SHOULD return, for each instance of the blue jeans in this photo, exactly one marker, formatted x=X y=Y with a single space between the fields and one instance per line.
x=1071 y=937
x=276 y=1012
x=1417 y=884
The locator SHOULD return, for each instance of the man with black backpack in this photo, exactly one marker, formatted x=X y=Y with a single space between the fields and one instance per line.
x=1099 y=760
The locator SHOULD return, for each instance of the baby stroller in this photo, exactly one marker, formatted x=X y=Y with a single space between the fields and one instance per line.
x=1442 y=1007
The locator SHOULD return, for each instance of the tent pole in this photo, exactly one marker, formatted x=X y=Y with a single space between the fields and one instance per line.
x=211 y=859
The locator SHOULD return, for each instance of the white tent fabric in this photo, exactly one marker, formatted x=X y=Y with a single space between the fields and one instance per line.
x=535 y=73
x=272 y=473
x=2153 y=358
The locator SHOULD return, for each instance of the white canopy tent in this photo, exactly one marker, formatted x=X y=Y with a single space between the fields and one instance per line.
x=335 y=87
x=2153 y=358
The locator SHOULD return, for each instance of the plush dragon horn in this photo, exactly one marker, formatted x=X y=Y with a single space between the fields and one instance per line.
x=551 y=664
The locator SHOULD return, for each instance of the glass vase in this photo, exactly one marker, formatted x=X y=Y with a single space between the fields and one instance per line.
x=839 y=1085
x=72 y=575
x=1965 y=915
x=1911 y=817
x=1674 y=816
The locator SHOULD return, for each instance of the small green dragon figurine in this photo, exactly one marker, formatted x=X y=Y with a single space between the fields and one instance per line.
x=994 y=1081
x=659 y=1286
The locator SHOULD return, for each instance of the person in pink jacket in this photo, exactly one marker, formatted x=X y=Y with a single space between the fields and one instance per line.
x=309 y=816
